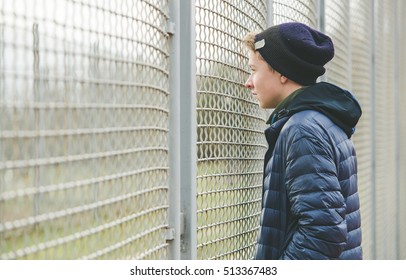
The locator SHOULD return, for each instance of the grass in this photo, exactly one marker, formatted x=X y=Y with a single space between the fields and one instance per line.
x=227 y=218
x=228 y=204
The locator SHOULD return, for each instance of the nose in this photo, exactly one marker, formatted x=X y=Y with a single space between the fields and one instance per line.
x=249 y=84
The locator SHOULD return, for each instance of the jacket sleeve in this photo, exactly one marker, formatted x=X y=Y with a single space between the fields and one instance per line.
x=315 y=200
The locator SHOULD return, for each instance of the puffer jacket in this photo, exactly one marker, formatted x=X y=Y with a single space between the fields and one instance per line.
x=310 y=204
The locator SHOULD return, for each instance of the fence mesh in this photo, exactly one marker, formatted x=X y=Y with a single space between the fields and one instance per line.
x=295 y=10
x=361 y=54
x=337 y=26
x=386 y=131
x=83 y=129
x=230 y=131
x=84 y=124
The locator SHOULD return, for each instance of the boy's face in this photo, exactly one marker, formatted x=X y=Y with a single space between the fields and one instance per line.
x=265 y=83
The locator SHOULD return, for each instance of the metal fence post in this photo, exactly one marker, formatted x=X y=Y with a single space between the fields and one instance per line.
x=269 y=13
x=188 y=128
x=174 y=127
x=350 y=66
x=321 y=16
x=397 y=125
x=373 y=129
x=321 y=25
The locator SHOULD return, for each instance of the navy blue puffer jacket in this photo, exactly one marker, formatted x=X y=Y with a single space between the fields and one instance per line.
x=310 y=206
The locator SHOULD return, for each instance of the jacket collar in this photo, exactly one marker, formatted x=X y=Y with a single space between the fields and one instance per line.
x=337 y=104
x=273 y=131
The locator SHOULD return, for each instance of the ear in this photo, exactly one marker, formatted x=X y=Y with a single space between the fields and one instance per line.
x=283 y=79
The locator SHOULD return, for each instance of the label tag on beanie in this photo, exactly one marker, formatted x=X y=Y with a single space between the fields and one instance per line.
x=260 y=44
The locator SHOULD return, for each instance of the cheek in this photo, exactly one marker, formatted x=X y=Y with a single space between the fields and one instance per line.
x=259 y=81
x=256 y=78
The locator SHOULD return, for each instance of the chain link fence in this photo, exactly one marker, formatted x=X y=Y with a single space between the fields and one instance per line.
x=86 y=99
x=305 y=11
x=84 y=113
x=361 y=54
x=385 y=130
x=230 y=131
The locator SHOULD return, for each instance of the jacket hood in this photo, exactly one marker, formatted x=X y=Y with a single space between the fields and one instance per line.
x=334 y=102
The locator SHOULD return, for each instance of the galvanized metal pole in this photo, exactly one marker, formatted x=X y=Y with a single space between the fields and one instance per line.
x=321 y=16
x=2 y=143
x=269 y=13
x=373 y=133
x=321 y=25
x=174 y=230
x=188 y=128
x=397 y=125
x=350 y=68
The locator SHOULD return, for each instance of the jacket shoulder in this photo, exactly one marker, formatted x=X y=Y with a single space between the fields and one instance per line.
x=313 y=124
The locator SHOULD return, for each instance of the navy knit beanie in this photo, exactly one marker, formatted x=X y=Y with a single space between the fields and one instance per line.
x=296 y=51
